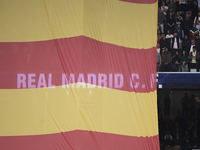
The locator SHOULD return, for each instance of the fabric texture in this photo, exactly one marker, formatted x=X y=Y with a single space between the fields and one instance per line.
x=78 y=74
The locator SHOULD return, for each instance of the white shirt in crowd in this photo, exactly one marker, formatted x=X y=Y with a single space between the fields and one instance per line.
x=175 y=46
x=191 y=48
x=182 y=1
x=162 y=9
x=165 y=137
x=195 y=19
x=169 y=36
x=194 y=54
x=158 y=50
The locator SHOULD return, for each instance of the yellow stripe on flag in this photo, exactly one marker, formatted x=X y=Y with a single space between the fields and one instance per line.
x=112 y=21
x=55 y=110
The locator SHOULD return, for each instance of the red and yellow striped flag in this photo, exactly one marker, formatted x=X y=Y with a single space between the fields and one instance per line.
x=78 y=74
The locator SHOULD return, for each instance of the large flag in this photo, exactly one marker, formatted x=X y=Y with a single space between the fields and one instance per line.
x=78 y=74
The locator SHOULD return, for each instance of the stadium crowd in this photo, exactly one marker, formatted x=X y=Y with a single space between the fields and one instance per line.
x=178 y=36
x=183 y=131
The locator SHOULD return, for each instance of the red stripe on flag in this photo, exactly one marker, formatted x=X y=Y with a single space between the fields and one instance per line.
x=77 y=55
x=79 y=140
x=140 y=1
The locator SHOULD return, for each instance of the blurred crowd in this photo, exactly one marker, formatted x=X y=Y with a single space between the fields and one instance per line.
x=183 y=131
x=178 y=36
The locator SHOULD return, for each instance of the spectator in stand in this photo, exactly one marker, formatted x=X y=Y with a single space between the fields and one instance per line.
x=190 y=14
x=175 y=44
x=169 y=36
x=186 y=45
x=197 y=41
x=178 y=19
x=176 y=62
x=158 y=61
x=195 y=141
x=185 y=103
x=192 y=5
x=187 y=24
x=172 y=6
x=180 y=33
x=178 y=129
x=161 y=19
x=160 y=2
x=197 y=25
x=179 y=118
x=193 y=32
x=197 y=18
x=191 y=128
x=168 y=130
x=192 y=45
x=193 y=59
x=168 y=134
x=182 y=5
x=177 y=142
x=168 y=143
x=186 y=141
x=158 y=35
x=166 y=60
x=158 y=48
x=170 y=22
x=164 y=8
x=184 y=63
x=164 y=43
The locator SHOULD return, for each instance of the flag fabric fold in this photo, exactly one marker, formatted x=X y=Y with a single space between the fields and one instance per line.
x=78 y=75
